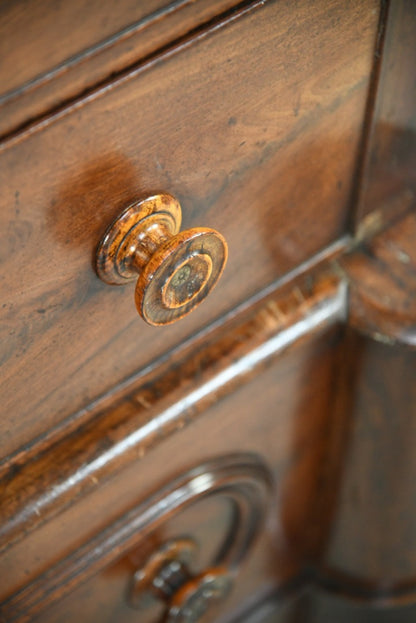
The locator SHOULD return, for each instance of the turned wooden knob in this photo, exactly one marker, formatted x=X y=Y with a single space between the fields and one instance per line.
x=166 y=577
x=174 y=271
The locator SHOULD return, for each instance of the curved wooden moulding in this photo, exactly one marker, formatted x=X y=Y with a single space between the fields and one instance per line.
x=242 y=478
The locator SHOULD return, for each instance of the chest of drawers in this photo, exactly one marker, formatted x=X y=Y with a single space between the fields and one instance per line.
x=147 y=469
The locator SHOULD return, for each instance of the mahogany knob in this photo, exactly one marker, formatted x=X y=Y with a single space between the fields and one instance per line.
x=174 y=271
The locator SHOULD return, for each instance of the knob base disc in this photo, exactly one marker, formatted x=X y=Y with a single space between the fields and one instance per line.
x=114 y=255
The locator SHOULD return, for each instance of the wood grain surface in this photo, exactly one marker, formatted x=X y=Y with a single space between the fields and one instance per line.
x=314 y=605
x=389 y=174
x=180 y=275
x=371 y=552
x=281 y=124
x=73 y=46
x=295 y=449
x=257 y=141
x=51 y=490
x=382 y=277
x=239 y=484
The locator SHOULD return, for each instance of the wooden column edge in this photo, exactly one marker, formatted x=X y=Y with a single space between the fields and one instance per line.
x=381 y=273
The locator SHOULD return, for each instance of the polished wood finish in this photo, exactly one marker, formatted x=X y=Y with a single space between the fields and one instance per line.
x=71 y=463
x=77 y=45
x=370 y=554
x=382 y=278
x=296 y=325
x=242 y=479
x=180 y=275
x=371 y=550
x=287 y=428
x=389 y=176
x=258 y=170
x=176 y=271
x=294 y=383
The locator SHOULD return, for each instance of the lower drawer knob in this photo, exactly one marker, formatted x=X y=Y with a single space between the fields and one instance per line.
x=174 y=271
x=196 y=597
x=172 y=576
x=166 y=577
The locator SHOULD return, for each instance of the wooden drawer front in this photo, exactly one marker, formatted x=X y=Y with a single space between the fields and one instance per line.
x=75 y=45
x=253 y=126
x=207 y=524
x=281 y=417
x=48 y=34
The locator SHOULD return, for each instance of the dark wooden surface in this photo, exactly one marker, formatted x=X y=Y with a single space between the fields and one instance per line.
x=389 y=175
x=371 y=550
x=321 y=607
x=287 y=427
x=370 y=555
x=93 y=468
x=49 y=34
x=291 y=140
x=73 y=46
x=270 y=167
x=221 y=504
x=382 y=278
x=313 y=605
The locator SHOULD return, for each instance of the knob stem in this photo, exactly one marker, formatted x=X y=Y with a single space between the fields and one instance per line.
x=170 y=578
x=145 y=242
